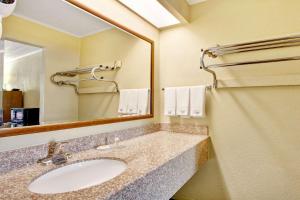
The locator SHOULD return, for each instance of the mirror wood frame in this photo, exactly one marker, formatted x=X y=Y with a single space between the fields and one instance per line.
x=60 y=126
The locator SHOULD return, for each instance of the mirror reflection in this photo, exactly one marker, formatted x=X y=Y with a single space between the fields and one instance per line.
x=69 y=68
x=21 y=70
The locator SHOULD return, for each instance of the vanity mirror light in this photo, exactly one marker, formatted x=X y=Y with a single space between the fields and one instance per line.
x=72 y=70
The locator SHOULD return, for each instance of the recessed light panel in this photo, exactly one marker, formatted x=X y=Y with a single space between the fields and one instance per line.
x=152 y=11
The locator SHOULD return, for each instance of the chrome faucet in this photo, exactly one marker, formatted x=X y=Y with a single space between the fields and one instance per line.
x=56 y=155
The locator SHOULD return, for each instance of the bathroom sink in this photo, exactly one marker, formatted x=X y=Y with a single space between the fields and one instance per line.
x=77 y=176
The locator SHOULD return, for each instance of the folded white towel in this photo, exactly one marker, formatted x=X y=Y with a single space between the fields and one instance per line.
x=132 y=107
x=123 y=102
x=170 y=101
x=197 y=101
x=143 y=101
x=182 y=101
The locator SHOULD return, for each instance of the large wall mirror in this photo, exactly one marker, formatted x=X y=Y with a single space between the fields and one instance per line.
x=72 y=70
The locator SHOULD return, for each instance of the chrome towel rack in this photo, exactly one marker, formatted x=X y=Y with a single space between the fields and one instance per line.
x=274 y=43
x=92 y=71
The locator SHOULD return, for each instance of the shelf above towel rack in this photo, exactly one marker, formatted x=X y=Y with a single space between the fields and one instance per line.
x=275 y=43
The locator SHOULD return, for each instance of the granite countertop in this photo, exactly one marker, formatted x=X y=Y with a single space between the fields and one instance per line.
x=143 y=155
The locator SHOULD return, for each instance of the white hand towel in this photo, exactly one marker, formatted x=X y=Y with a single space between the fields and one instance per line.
x=132 y=107
x=143 y=101
x=182 y=101
x=170 y=101
x=123 y=101
x=197 y=101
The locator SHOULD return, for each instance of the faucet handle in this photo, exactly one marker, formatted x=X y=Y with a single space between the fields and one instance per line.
x=59 y=147
x=51 y=148
x=55 y=147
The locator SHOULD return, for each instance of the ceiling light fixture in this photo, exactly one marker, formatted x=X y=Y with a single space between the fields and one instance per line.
x=152 y=11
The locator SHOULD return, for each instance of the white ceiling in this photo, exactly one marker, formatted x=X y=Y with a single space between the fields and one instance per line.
x=60 y=15
x=192 y=2
x=15 y=50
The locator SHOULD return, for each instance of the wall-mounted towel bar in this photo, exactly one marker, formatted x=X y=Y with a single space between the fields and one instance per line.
x=214 y=52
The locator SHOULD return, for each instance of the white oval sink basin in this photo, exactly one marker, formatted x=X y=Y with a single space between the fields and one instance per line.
x=77 y=176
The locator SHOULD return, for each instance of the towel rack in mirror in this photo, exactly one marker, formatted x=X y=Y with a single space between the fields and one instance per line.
x=94 y=77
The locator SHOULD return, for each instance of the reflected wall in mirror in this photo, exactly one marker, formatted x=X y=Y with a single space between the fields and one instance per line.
x=21 y=73
x=70 y=68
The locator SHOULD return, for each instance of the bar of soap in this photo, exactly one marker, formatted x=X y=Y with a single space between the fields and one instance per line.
x=104 y=147
x=109 y=147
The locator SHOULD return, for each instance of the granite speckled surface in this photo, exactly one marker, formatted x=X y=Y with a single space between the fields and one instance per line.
x=184 y=128
x=158 y=165
x=25 y=157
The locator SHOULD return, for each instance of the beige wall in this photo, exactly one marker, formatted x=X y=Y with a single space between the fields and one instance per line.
x=105 y=48
x=254 y=130
x=61 y=52
x=24 y=73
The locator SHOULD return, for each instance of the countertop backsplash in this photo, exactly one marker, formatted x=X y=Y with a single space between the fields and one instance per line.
x=16 y=159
